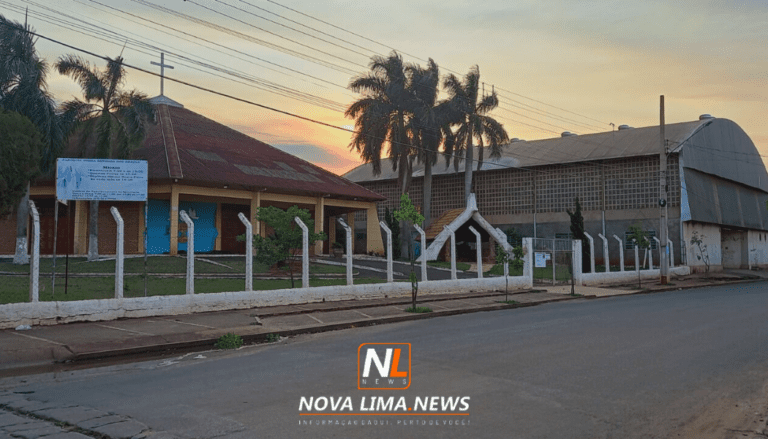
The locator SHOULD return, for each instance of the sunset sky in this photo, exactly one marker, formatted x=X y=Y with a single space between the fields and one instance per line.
x=557 y=65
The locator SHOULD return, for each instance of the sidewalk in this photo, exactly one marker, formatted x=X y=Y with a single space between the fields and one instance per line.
x=52 y=348
x=47 y=348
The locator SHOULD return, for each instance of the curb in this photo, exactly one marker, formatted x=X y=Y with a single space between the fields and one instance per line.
x=680 y=288
x=262 y=337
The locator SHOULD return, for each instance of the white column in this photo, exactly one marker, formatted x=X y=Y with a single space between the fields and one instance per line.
x=528 y=260
x=605 y=252
x=390 y=276
x=34 y=268
x=248 y=251
x=671 y=253
x=576 y=248
x=120 y=254
x=304 y=252
x=453 y=253
x=621 y=251
x=504 y=249
x=591 y=250
x=348 y=231
x=479 y=243
x=423 y=248
x=190 y=251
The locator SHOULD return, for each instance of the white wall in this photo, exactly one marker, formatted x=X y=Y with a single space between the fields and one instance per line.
x=710 y=235
x=758 y=248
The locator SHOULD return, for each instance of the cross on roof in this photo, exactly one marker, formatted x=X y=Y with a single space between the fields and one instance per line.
x=162 y=65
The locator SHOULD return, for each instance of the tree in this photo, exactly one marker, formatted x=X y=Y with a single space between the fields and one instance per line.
x=410 y=216
x=381 y=116
x=429 y=125
x=514 y=260
x=394 y=227
x=116 y=118
x=469 y=112
x=577 y=231
x=23 y=89
x=285 y=243
x=20 y=145
x=703 y=256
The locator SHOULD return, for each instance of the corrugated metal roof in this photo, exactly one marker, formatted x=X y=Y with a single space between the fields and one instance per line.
x=599 y=146
x=213 y=154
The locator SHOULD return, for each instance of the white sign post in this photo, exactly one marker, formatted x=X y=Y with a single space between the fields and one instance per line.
x=248 y=252
x=119 y=257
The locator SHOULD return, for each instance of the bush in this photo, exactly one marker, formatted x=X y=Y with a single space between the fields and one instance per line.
x=229 y=341
x=418 y=309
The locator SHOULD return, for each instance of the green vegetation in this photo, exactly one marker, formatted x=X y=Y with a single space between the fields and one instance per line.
x=462 y=266
x=271 y=338
x=418 y=309
x=562 y=272
x=15 y=289
x=229 y=341
x=158 y=264
x=19 y=157
x=410 y=216
x=283 y=245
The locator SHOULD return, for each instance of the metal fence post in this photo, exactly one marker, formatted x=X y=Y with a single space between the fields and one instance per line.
x=348 y=231
x=304 y=252
x=248 y=251
x=591 y=250
x=34 y=268
x=621 y=251
x=120 y=254
x=605 y=252
x=453 y=253
x=423 y=255
x=190 y=251
x=390 y=275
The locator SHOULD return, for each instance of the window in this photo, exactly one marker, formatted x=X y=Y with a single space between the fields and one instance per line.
x=629 y=245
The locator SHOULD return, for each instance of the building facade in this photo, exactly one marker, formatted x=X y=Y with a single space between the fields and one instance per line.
x=717 y=190
x=213 y=173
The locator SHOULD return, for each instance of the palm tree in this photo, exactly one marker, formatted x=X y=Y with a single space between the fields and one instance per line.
x=23 y=89
x=470 y=114
x=429 y=126
x=382 y=116
x=116 y=118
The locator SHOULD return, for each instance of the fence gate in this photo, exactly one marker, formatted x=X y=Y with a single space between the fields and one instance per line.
x=552 y=261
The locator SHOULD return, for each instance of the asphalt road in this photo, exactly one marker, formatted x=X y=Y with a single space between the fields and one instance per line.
x=625 y=367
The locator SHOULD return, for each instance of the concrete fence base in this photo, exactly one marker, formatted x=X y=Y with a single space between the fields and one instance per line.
x=628 y=276
x=52 y=313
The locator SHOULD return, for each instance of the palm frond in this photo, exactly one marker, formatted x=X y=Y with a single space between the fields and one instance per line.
x=87 y=77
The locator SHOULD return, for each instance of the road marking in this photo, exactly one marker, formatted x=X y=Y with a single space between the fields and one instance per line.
x=37 y=338
x=315 y=319
x=362 y=314
x=126 y=330
x=187 y=323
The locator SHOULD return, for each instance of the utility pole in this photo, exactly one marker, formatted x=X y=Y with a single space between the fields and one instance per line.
x=663 y=260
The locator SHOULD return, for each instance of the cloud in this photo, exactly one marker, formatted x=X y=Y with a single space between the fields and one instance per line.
x=320 y=156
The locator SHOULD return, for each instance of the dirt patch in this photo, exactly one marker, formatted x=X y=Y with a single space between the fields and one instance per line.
x=727 y=418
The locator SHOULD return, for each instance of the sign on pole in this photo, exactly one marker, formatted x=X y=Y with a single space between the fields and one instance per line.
x=101 y=179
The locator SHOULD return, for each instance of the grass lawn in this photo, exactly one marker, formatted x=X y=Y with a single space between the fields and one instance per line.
x=463 y=266
x=538 y=273
x=156 y=264
x=15 y=289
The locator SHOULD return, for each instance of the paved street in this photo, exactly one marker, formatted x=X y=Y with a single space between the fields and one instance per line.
x=621 y=367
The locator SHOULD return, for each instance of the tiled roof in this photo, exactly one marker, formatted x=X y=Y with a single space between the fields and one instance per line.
x=197 y=150
x=446 y=218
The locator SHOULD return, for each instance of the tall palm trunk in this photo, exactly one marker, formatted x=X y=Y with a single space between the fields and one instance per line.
x=21 y=257
x=93 y=231
x=427 y=194
x=469 y=159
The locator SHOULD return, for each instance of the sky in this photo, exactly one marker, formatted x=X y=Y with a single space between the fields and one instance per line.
x=585 y=67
